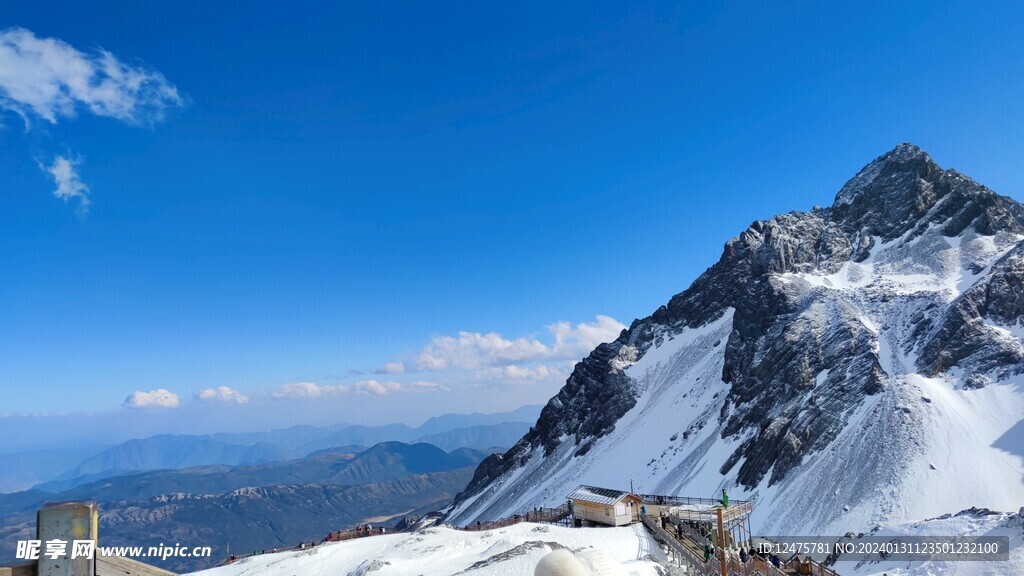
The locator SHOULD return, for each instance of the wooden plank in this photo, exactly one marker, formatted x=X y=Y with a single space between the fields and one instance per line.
x=116 y=566
x=24 y=569
x=105 y=566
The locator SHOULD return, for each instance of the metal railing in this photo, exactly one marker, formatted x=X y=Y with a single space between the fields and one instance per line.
x=663 y=500
x=705 y=506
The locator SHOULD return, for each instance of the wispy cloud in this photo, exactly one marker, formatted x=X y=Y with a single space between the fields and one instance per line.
x=304 y=390
x=70 y=187
x=222 y=394
x=427 y=386
x=515 y=372
x=391 y=368
x=314 y=390
x=475 y=350
x=375 y=387
x=159 y=398
x=48 y=78
x=471 y=359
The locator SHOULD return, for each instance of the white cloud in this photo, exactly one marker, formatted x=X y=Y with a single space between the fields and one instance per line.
x=428 y=386
x=222 y=394
x=304 y=390
x=474 y=350
x=69 y=184
x=314 y=390
x=551 y=373
x=514 y=372
x=391 y=368
x=48 y=78
x=584 y=335
x=159 y=398
x=375 y=387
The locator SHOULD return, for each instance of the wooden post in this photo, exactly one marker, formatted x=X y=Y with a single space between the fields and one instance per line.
x=721 y=543
x=26 y=569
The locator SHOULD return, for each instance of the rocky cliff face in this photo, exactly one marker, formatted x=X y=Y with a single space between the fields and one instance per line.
x=827 y=325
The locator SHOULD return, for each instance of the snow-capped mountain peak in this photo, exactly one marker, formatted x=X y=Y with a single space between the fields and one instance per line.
x=904 y=160
x=866 y=357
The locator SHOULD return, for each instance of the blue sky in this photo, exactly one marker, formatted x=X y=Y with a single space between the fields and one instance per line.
x=293 y=197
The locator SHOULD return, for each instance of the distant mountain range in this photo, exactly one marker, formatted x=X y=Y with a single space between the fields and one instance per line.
x=163 y=452
x=61 y=470
x=24 y=469
x=257 y=490
x=449 y=431
x=343 y=466
x=259 y=506
x=478 y=437
x=252 y=519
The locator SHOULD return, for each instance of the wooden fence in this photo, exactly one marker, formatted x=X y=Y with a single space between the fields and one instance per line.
x=545 y=515
x=687 y=550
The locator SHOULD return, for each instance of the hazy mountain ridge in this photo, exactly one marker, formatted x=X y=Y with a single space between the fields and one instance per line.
x=175 y=451
x=60 y=470
x=28 y=468
x=478 y=437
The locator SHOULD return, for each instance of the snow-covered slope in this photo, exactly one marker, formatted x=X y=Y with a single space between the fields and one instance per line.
x=972 y=522
x=844 y=368
x=441 y=551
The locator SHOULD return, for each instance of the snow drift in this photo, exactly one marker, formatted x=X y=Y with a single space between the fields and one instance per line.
x=442 y=551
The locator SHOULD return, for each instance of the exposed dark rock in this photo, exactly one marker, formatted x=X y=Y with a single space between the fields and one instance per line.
x=799 y=363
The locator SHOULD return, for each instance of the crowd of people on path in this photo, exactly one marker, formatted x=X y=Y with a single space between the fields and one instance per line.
x=357 y=532
x=336 y=536
x=261 y=552
x=745 y=555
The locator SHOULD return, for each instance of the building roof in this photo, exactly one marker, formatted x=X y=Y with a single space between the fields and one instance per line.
x=598 y=495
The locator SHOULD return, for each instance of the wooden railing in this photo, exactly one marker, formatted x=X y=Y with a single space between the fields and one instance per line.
x=546 y=515
x=337 y=536
x=712 y=567
x=24 y=569
x=680 y=549
x=812 y=567
x=694 y=535
x=341 y=535
x=755 y=565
